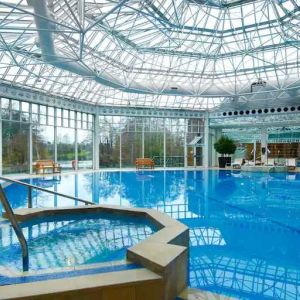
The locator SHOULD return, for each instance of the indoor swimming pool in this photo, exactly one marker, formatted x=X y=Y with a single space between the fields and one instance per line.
x=244 y=227
x=73 y=240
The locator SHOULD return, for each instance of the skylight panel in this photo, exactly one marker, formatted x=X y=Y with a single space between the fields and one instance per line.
x=249 y=18
x=279 y=10
x=170 y=43
x=288 y=5
x=225 y=24
x=6 y=59
x=272 y=12
x=212 y=21
x=235 y=23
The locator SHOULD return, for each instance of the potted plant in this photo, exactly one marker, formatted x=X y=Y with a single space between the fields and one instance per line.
x=225 y=146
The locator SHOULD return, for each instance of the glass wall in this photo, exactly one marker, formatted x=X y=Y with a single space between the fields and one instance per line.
x=131 y=148
x=15 y=136
x=175 y=142
x=109 y=147
x=282 y=143
x=128 y=138
x=42 y=142
x=32 y=132
x=154 y=140
x=154 y=147
x=85 y=149
x=15 y=147
x=66 y=148
x=57 y=134
x=195 y=150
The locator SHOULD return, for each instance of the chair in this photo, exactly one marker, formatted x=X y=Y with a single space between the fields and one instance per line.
x=249 y=163
x=237 y=163
x=270 y=162
x=291 y=163
x=47 y=164
x=144 y=163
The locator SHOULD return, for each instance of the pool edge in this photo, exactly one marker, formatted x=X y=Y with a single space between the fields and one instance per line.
x=163 y=256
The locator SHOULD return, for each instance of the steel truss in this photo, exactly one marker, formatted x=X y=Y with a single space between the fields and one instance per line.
x=156 y=53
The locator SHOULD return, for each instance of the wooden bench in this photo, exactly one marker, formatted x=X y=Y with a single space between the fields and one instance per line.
x=144 y=163
x=47 y=164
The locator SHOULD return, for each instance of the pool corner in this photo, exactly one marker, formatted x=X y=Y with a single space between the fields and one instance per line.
x=163 y=258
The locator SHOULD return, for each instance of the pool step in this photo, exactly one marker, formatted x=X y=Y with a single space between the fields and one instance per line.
x=196 y=294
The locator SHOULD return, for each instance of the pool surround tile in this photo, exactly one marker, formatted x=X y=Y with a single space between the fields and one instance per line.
x=98 y=286
x=163 y=258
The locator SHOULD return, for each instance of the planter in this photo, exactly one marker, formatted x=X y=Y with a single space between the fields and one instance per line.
x=223 y=161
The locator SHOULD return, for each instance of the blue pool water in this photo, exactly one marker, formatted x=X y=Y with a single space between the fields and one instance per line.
x=244 y=227
x=72 y=240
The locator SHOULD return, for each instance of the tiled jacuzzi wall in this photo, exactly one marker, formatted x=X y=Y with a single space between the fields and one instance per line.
x=156 y=268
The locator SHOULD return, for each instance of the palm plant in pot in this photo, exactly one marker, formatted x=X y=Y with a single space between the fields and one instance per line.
x=225 y=146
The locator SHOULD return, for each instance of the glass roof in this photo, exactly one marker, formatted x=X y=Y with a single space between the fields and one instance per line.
x=158 y=53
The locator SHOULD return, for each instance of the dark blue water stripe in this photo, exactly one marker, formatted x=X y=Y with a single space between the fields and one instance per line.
x=5 y=280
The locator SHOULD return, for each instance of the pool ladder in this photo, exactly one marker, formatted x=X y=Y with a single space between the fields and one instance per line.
x=12 y=217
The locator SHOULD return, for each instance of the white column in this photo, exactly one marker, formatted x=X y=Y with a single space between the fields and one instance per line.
x=76 y=147
x=254 y=151
x=30 y=149
x=96 y=142
x=1 y=147
x=30 y=141
x=185 y=142
x=143 y=140
x=120 y=157
x=165 y=145
x=264 y=144
x=206 y=142
x=55 y=135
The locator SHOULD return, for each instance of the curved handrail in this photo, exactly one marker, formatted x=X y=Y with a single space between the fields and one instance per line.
x=12 y=218
x=19 y=233
x=30 y=186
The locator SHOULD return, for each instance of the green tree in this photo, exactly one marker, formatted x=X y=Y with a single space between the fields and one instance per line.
x=225 y=145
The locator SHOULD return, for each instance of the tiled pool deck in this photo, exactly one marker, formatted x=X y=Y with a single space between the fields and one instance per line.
x=156 y=268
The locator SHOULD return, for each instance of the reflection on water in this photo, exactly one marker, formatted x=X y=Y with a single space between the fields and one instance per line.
x=244 y=227
x=72 y=240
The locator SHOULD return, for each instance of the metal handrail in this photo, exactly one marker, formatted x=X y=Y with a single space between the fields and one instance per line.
x=13 y=220
x=19 y=233
x=31 y=187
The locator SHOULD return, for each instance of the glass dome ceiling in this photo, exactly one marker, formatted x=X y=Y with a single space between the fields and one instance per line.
x=158 y=53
